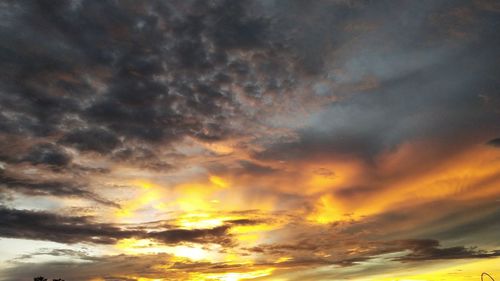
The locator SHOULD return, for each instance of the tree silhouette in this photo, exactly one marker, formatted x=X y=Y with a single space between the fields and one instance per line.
x=41 y=278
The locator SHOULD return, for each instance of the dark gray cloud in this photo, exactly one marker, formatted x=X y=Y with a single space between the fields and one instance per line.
x=422 y=250
x=123 y=79
x=427 y=82
x=98 y=140
x=27 y=224
x=354 y=192
x=47 y=226
x=81 y=254
x=494 y=142
x=157 y=71
x=49 y=154
x=120 y=79
x=40 y=187
x=152 y=71
x=256 y=169
x=142 y=157
x=213 y=235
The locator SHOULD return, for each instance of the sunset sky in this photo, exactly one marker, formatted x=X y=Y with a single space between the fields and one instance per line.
x=264 y=140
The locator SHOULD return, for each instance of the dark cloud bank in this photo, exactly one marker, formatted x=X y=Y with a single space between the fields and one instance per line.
x=34 y=225
x=95 y=76
x=117 y=79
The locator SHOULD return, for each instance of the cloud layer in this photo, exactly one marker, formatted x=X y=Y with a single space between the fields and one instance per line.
x=237 y=140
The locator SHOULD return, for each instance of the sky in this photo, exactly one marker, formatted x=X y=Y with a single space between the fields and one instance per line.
x=265 y=140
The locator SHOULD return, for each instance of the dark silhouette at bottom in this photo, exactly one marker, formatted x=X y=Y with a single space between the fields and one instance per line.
x=41 y=278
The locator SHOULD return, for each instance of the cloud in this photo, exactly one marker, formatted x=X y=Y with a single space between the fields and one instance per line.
x=80 y=254
x=46 y=226
x=386 y=236
x=38 y=187
x=353 y=126
x=216 y=235
x=249 y=167
x=422 y=250
x=108 y=73
x=129 y=267
x=154 y=266
x=107 y=267
x=98 y=140
x=49 y=154
x=425 y=90
x=408 y=250
x=35 y=225
x=494 y=142
x=122 y=84
x=142 y=157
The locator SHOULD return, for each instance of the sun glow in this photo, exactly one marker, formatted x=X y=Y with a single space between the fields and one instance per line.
x=199 y=220
x=233 y=276
x=193 y=252
x=218 y=181
x=327 y=210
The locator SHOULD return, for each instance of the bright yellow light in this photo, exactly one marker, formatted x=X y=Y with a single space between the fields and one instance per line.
x=148 y=279
x=138 y=246
x=149 y=194
x=236 y=276
x=283 y=259
x=327 y=210
x=218 y=181
x=202 y=220
x=232 y=257
x=252 y=233
x=134 y=246
x=144 y=184
x=193 y=197
x=195 y=253
x=320 y=182
x=129 y=208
